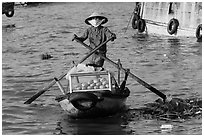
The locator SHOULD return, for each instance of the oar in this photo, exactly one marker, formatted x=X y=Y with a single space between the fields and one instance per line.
x=40 y=92
x=35 y=96
x=163 y=96
x=95 y=49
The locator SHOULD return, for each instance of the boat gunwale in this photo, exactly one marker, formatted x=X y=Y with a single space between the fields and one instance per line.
x=104 y=93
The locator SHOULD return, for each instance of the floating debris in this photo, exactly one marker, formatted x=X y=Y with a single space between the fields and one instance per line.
x=46 y=56
x=71 y=53
x=9 y=26
x=165 y=128
x=171 y=111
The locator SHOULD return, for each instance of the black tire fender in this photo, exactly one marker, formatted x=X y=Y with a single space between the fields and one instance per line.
x=76 y=97
x=10 y=13
x=172 y=26
x=141 y=25
x=135 y=19
x=198 y=32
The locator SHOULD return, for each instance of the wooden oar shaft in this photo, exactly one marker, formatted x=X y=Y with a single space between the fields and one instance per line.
x=119 y=66
x=163 y=96
x=94 y=50
x=35 y=96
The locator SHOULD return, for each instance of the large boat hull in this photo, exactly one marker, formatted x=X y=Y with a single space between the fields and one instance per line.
x=158 y=15
x=161 y=29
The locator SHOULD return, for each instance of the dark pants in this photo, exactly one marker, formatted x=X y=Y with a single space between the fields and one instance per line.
x=97 y=60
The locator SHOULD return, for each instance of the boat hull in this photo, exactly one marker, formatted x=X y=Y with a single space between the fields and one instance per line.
x=157 y=16
x=161 y=29
x=109 y=104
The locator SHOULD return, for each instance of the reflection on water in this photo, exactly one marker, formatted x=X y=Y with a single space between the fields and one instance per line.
x=173 y=65
x=100 y=126
x=174 y=50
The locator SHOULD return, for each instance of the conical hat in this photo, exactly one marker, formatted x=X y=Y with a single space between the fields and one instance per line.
x=95 y=14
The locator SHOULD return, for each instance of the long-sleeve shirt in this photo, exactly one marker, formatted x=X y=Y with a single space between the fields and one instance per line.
x=97 y=36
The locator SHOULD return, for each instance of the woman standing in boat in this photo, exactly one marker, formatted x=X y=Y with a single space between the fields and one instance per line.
x=97 y=34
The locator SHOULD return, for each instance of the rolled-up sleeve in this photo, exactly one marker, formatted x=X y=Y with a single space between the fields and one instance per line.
x=108 y=33
x=84 y=36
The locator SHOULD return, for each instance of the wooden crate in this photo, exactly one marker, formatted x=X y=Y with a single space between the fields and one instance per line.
x=92 y=81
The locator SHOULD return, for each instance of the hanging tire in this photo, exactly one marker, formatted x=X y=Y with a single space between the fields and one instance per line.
x=141 y=25
x=135 y=21
x=172 y=26
x=83 y=100
x=198 y=32
x=10 y=13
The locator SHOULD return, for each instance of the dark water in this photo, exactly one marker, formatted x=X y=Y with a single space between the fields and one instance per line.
x=171 y=64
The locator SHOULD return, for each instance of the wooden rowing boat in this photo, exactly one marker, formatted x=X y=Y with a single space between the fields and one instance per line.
x=96 y=93
x=103 y=100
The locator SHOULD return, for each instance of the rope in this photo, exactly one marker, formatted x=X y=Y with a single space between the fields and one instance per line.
x=129 y=20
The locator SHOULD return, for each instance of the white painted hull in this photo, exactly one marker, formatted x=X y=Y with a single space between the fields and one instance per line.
x=157 y=16
x=162 y=30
